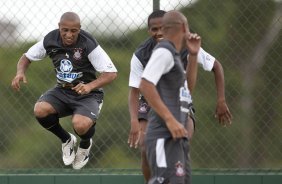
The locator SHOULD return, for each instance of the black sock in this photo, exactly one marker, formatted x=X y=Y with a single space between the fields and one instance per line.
x=84 y=143
x=60 y=132
x=85 y=138
x=51 y=123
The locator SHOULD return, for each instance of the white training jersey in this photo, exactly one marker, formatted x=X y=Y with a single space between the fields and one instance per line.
x=98 y=57
x=158 y=67
x=205 y=60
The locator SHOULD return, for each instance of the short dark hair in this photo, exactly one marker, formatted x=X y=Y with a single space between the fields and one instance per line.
x=156 y=14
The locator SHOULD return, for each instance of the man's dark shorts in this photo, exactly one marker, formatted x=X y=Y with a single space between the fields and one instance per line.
x=169 y=160
x=67 y=102
x=143 y=109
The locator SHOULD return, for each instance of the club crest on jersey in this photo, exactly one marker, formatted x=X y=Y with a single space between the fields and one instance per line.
x=143 y=108
x=77 y=53
x=160 y=179
x=179 y=169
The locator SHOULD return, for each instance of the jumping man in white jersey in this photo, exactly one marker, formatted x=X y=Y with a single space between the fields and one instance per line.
x=77 y=57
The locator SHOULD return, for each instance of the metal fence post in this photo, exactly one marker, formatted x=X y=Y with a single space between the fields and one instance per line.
x=156 y=5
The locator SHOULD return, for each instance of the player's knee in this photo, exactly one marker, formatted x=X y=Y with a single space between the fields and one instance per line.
x=42 y=109
x=80 y=128
x=39 y=112
x=81 y=125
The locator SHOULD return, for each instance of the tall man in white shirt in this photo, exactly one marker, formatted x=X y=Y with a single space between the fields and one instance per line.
x=139 y=108
x=164 y=86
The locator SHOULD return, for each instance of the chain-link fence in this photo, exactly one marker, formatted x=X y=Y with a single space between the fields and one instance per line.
x=245 y=36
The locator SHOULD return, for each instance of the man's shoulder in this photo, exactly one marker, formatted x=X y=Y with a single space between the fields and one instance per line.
x=167 y=45
x=51 y=38
x=87 y=35
x=88 y=41
x=146 y=45
x=52 y=34
x=144 y=51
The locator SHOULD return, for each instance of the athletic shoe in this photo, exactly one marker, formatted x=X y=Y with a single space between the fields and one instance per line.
x=68 y=150
x=81 y=157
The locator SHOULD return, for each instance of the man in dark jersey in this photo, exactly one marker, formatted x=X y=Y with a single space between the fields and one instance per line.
x=77 y=57
x=164 y=86
x=139 y=110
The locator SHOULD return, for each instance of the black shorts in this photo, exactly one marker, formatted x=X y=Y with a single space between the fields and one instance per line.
x=143 y=109
x=67 y=102
x=169 y=161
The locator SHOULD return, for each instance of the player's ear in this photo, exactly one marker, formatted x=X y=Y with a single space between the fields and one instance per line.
x=183 y=28
x=149 y=30
x=186 y=28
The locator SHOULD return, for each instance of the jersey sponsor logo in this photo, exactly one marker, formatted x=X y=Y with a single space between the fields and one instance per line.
x=179 y=169
x=77 y=53
x=65 y=73
x=184 y=109
x=185 y=93
x=185 y=98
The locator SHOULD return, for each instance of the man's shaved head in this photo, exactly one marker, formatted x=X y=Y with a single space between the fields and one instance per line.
x=171 y=18
x=175 y=28
x=70 y=16
x=69 y=27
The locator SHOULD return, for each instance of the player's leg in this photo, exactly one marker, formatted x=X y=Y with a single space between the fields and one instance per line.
x=188 y=168
x=47 y=111
x=191 y=122
x=86 y=113
x=167 y=160
x=84 y=127
x=144 y=162
x=49 y=119
x=176 y=153
x=190 y=127
x=151 y=149
x=143 y=111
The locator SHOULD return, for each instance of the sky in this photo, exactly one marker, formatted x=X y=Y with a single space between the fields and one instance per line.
x=35 y=18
